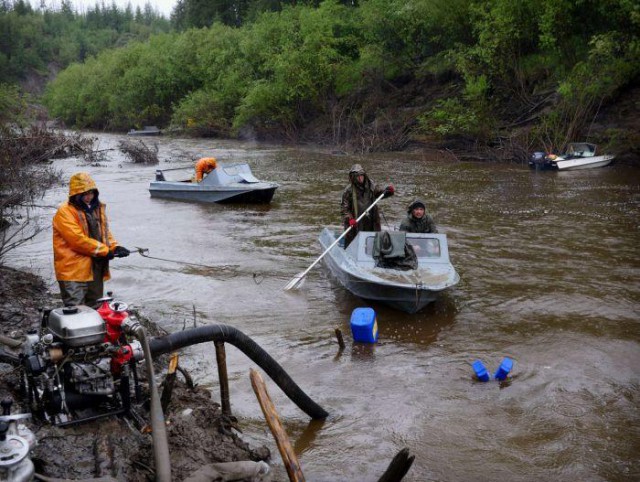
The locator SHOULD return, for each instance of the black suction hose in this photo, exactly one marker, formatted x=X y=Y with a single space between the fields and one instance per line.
x=229 y=334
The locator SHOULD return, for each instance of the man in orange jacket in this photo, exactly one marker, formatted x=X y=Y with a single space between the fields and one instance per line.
x=83 y=244
x=205 y=166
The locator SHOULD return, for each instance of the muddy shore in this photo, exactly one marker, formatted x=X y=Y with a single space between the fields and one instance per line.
x=198 y=433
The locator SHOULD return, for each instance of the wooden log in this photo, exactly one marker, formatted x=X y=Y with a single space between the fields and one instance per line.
x=169 y=382
x=273 y=420
x=221 y=358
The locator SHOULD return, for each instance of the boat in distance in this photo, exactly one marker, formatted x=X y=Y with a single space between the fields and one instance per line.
x=578 y=155
x=147 y=131
x=407 y=290
x=227 y=183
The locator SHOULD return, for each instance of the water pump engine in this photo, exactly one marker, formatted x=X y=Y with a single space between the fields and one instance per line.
x=80 y=361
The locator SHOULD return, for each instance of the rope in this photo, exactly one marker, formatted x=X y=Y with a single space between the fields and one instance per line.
x=144 y=253
x=258 y=278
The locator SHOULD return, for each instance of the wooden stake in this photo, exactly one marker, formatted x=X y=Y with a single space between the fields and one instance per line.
x=221 y=358
x=169 y=381
x=187 y=378
x=273 y=420
x=398 y=467
x=340 y=338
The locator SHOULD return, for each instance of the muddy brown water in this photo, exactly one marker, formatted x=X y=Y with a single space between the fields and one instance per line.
x=549 y=272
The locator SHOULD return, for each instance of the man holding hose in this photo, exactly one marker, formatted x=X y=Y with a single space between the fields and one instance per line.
x=83 y=244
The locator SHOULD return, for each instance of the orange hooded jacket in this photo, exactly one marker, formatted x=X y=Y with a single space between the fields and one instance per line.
x=73 y=249
x=205 y=166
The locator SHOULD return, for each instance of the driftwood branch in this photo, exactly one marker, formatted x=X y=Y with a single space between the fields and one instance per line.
x=139 y=153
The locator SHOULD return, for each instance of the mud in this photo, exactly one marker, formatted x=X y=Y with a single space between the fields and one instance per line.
x=117 y=447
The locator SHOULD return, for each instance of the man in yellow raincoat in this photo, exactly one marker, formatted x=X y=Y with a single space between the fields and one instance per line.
x=83 y=244
x=205 y=166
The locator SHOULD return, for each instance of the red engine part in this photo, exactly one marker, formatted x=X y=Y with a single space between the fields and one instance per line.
x=113 y=314
x=119 y=358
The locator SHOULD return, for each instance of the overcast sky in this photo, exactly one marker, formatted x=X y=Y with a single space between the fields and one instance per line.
x=163 y=6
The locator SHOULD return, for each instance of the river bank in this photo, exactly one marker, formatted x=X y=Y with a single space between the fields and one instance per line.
x=198 y=433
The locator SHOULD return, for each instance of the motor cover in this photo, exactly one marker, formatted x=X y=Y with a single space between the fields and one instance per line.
x=77 y=325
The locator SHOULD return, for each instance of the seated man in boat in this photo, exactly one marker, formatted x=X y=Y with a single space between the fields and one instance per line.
x=205 y=166
x=356 y=198
x=417 y=220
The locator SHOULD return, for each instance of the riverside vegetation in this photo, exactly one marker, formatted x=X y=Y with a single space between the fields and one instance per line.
x=364 y=75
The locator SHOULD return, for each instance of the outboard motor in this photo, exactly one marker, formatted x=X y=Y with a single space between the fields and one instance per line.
x=537 y=159
x=80 y=360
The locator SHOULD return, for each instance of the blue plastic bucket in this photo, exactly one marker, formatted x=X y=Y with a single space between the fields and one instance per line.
x=364 y=326
x=481 y=371
x=504 y=369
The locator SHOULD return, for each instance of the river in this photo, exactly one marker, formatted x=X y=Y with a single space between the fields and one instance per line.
x=549 y=272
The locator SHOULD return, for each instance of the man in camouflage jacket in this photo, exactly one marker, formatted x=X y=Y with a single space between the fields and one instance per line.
x=356 y=198
x=417 y=220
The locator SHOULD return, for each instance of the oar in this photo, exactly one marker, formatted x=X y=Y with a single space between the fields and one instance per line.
x=295 y=282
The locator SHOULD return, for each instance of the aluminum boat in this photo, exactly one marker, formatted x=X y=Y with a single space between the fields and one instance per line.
x=411 y=290
x=227 y=183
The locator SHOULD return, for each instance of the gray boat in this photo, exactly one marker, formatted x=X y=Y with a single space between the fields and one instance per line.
x=227 y=183
x=410 y=290
x=147 y=131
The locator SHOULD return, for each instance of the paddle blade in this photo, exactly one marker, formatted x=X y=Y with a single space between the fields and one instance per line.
x=295 y=283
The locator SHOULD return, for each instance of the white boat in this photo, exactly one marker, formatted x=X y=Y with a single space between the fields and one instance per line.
x=227 y=183
x=579 y=155
x=411 y=290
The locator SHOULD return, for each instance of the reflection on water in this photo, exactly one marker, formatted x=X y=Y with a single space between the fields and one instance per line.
x=549 y=277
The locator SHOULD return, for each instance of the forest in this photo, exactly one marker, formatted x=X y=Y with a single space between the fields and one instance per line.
x=367 y=75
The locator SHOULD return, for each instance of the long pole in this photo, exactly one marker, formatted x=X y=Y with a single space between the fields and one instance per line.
x=296 y=280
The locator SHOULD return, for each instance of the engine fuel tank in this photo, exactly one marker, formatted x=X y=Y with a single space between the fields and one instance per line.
x=77 y=325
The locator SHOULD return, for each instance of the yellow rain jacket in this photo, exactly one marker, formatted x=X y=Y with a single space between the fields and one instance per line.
x=205 y=166
x=73 y=248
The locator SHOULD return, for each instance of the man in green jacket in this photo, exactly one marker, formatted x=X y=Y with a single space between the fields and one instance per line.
x=417 y=220
x=356 y=198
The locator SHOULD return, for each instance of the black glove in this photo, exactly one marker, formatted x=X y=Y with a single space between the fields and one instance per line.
x=389 y=191
x=109 y=255
x=121 y=252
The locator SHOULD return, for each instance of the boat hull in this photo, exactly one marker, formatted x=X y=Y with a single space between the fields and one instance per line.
x=143 y=133
x=227 y=183
x=147 y=131
x=227 y=196
x=578 y=156
x=583 y=163
x=396 y=291
x=408 y=300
